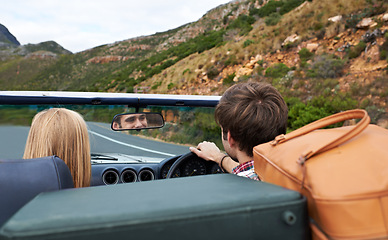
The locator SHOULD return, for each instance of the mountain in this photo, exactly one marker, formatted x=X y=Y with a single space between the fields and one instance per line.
x=21 y=63
x=48 y=46
x=6 y=38
x=323 y=56
x=10 y=46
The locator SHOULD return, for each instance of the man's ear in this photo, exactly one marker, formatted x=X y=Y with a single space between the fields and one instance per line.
x=116 y=125
x=231 y=141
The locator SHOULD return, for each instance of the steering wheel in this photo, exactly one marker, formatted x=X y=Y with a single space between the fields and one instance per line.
x=180 y=160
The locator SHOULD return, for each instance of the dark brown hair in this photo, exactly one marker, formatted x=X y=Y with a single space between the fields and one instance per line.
x=253 y=113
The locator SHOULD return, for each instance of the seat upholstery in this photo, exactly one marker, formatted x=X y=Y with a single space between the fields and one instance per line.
x=22 y=179
x=217 y=206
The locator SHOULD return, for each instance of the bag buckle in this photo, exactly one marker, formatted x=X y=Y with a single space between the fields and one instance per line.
x=301 y=160
x=304 y=157
x=278 y=139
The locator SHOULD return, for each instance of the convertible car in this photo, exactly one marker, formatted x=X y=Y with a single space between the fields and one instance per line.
x=145 y=182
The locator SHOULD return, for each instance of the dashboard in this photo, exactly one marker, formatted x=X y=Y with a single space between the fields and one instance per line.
x=112 y=173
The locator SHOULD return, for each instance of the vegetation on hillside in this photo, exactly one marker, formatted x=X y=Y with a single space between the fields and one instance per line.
x=208 y=59
x=318 y=83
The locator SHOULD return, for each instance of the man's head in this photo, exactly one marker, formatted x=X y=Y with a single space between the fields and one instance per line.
x=252 y=113
x=132 y=121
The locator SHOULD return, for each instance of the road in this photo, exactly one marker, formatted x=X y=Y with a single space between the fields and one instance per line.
x=102 y=140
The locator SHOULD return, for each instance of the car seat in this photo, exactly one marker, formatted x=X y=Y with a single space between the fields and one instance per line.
x=22 y=179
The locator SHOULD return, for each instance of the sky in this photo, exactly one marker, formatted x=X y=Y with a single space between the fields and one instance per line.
x=78 y=25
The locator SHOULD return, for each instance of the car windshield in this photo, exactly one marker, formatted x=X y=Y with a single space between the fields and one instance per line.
x=184 y=127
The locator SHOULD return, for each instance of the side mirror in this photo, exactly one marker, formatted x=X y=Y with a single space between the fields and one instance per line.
x=137 y=121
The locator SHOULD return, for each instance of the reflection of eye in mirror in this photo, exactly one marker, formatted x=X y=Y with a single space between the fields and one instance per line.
x=137 y=121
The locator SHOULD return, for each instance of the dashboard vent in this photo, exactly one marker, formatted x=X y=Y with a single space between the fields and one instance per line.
x=128 y=176
x=110 y=177
x=146 y=175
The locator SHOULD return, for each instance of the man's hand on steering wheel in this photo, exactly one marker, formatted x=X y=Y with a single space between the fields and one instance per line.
x=208 y=151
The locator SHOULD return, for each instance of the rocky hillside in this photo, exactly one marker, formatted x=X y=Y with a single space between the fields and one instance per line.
x=324 y=56
x=340 y=54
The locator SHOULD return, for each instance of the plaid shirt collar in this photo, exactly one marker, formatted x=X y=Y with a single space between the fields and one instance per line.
x=246 y=170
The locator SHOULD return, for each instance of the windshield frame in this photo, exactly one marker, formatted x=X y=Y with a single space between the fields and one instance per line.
x=100 y=98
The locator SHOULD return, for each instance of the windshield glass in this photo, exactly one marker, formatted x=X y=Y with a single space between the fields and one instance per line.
x=184 y=127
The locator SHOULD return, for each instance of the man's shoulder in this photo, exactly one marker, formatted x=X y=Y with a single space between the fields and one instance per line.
x=246 y=170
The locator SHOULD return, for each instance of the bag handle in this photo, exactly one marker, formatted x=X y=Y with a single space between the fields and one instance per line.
x=329 y=120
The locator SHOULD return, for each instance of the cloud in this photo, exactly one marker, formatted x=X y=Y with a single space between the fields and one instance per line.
x=80 y=25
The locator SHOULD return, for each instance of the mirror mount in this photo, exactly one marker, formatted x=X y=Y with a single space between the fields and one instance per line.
x=137 y=110
x=137 y=107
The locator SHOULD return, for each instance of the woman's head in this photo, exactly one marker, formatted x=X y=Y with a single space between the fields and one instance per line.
x=61 y=132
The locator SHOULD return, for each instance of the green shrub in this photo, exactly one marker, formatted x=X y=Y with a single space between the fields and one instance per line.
x=384 y=48
x=225 y=19
x=334 y=103
x=303 y=64
x=353 y=19
x=130 y=89
x=272 y=19
x=260 y=62
x=229 y=79
x=326 y=66
x=247 y=43
x=121 y=86
x=254 y=11
x=212 y=72
x=274 y=6
x=357 y=50
x=267 y=9
x=318 y=26
x=232 y=60
x=156 y=85
x=383 y=55
x=289 y=6
x=301 y=114
x=258 y=70
x=244 y=78
x=305 y=54
x=277 y=70
x=243 y=23
x=375 y=113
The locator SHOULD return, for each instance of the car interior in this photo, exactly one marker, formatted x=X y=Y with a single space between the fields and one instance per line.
x=38 y=200
x=200 y=207
x=23 y=179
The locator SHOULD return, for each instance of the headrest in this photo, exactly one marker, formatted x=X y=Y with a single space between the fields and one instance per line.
x=22 y=179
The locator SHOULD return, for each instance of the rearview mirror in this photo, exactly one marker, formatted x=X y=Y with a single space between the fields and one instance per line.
x=137 y=121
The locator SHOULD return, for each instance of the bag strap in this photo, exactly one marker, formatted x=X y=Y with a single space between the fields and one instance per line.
x=336 y=118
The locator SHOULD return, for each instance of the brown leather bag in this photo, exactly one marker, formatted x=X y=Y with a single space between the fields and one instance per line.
x=343 y=172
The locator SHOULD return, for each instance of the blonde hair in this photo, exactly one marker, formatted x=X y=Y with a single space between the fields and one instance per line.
x=61 y=132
